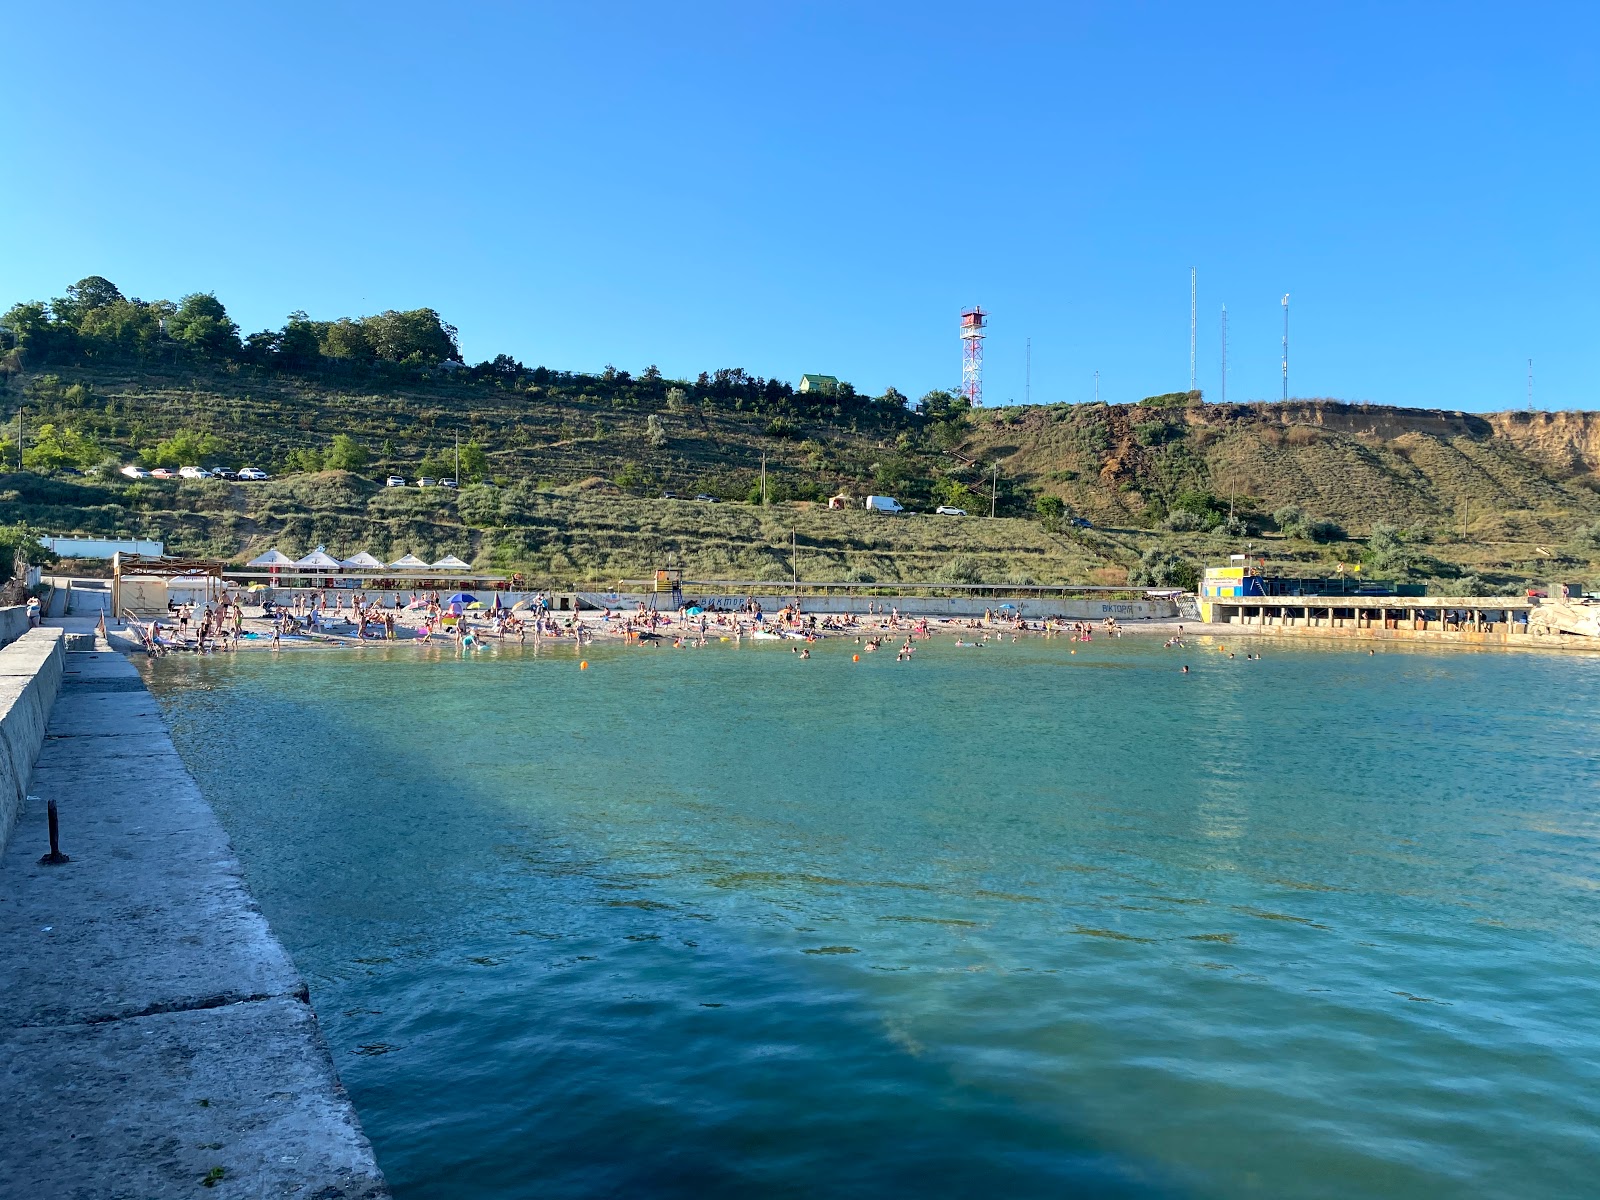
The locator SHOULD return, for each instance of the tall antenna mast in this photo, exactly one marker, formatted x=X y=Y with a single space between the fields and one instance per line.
x=1097 y=387
x=1286 y=347
x=1027 y=385
x=1530 y=385
x=1192 y=314
x=973 y=322
x=1224 y=353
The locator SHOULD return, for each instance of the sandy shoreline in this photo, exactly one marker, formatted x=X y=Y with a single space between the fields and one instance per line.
x=595 y=628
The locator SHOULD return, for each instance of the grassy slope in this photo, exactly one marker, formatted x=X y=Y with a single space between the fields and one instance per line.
x=1520 y=494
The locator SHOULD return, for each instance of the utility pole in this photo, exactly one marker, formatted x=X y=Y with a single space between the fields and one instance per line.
x=1097 y=387
x=994 y=487
x=763 y=479
x=1286 y=347
x=1530 y=389
x=1027 y=386
x=1192 y=313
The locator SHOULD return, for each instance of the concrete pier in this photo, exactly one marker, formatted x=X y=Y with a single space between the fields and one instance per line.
x=153 y=1032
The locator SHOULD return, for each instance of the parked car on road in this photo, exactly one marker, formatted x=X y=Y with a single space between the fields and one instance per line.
x=163 y=473
x=223 y=473
x=425 y=481
x=449 y=483
x=193 y=473
x=135 y=471
x=946 y=510
x=1082 y=523
x=394 y=481
x=254 y=474
x=883 y=504
x=705 y=498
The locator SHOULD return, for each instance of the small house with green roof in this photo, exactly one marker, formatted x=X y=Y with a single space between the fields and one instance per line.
x=827 y=385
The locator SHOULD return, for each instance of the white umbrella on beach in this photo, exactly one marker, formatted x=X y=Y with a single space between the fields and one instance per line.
x=362 y=562
x=318 y=560
x=451 y=563
x=272 y=558
x=409 y=563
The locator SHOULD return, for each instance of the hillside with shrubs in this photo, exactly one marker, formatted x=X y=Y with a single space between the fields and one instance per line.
x=565 y=475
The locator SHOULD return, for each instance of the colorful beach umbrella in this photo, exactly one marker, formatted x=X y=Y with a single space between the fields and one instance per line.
x=462 y=598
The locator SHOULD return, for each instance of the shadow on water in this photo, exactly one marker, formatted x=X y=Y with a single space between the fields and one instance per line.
x=513 y=1020
x=723 y=923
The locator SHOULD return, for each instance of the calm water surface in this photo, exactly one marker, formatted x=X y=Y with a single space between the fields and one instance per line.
x=1002 y=922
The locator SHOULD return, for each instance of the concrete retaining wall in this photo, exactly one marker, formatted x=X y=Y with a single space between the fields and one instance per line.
x=1034 y=608
x=13 y=623
x=30 y=678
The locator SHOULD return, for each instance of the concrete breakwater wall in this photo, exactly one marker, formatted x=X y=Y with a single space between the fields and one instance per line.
x=155 y=1038
x=30 y=677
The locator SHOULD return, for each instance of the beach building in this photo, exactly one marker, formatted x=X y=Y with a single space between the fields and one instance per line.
x=88 y=547
x=1245 y=593
x=825 y=385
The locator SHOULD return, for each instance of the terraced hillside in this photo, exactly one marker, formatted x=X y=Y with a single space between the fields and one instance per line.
x=580 y=463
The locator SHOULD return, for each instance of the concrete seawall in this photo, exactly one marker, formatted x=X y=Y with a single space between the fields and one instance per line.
x=1033 y=608
x=153 y=1032
x=30 y=677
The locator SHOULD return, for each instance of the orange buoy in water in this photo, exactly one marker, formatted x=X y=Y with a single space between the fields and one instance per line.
x=855 y=658
x=583 y=666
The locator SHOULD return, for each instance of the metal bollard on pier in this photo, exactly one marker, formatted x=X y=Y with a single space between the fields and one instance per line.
x=55 y=858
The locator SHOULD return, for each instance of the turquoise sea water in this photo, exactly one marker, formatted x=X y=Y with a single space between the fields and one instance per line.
x=1011 y=921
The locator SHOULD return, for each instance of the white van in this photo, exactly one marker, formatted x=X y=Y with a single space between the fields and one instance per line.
x=884 y=504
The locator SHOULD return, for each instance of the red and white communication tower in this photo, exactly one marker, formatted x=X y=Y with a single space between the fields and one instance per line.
x=973 y=322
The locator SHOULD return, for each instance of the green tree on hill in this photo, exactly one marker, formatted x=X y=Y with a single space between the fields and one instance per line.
x=123 y=327
x=186 y=448
x=345 y=454
x=474 y=461
x=203 y=324
x=1163 y=568
x=1051 y=510
x=50 y=448
x=83 y=297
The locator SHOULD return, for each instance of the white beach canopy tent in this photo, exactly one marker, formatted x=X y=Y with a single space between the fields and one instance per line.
x=318 y=560
x=409 y=563
x=362 y=562
x=272 y=558
x=451 y=563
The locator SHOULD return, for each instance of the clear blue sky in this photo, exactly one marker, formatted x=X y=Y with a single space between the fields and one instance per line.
x=821 y=187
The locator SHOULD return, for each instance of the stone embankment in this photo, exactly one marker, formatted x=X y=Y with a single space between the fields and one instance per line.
x=154 y=1035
